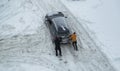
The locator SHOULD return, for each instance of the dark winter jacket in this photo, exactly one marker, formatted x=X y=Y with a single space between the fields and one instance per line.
x=57 y=41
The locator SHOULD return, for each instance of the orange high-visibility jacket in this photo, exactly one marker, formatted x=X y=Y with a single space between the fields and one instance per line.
x=73 y=37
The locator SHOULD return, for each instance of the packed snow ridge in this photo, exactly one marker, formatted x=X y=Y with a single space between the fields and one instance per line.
x=25 y=43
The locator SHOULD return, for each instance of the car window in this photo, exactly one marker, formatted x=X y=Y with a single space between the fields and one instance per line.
x=63 y=32
x=53 y=29
x=60 y=21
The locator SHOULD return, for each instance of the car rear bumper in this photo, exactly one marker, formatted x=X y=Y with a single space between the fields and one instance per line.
x=64 y=41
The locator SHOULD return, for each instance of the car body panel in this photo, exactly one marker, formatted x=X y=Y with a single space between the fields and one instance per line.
x=58 y=26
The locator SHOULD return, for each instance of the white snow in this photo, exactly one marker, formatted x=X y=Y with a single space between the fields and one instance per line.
x=102 y=18
x=25 y=43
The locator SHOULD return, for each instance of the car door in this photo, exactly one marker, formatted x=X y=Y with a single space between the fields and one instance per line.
x=51 y=27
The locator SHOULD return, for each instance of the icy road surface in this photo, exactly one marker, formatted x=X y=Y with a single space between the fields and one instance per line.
x=25 y=43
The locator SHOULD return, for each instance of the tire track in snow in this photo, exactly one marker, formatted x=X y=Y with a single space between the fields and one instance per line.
x=9 y=11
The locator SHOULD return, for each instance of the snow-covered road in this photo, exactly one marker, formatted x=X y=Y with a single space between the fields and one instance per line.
x=28 y=46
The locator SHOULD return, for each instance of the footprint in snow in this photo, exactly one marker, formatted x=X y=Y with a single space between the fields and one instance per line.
x=65 y=62
x=60 y=59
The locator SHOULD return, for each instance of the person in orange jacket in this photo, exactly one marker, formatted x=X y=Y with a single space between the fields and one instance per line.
x=73 y=37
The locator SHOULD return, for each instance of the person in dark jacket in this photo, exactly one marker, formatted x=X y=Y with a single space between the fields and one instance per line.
x=57 y=46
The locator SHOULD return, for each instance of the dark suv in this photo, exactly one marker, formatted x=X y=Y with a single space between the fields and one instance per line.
x=58 y=26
